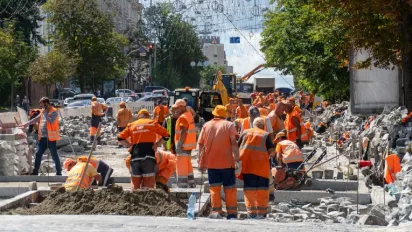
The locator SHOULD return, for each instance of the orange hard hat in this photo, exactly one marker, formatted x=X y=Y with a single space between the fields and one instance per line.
x=68 y=163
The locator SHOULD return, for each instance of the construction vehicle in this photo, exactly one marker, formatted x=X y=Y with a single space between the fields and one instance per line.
x=222 y=86
x=202 y=102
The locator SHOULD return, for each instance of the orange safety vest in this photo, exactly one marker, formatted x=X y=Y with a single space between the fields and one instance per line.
x=290 y=152
x=292 y=130
x=124 y=117
x=246 y=124
x=190 y=141
x=93 y=161
x=392 y=166
x=254 y=154
x=53 y=130
x=75 y=174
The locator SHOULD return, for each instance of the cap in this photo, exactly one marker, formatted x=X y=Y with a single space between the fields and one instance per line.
x=279 y=135
x=44 y=99
x=94 y=99
x=219 y=111
x=252 y=95
x=143 y=111
x=122 y=103
x=180 y=102
x=67 y=163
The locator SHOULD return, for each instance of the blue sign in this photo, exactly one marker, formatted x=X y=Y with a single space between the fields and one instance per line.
x=234 y=40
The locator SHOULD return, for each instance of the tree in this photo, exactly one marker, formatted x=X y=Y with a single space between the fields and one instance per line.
x=383 y=28
x=177 y=45
x=15 y=57
x=207 y=74
x=52 y=67
x=88 y=33
x=309 y=45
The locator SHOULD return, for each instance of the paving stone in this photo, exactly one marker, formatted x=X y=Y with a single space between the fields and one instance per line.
x=335 y=214
x=379 y=211
x=372 y=220
x=332 y=207
x=393 y=222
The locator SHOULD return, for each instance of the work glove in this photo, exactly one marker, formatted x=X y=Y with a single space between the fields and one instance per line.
x=299 y=143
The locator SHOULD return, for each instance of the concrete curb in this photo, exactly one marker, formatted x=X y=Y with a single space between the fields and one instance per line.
x=12 y=191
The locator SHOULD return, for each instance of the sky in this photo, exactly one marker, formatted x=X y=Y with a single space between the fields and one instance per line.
x=232 y=18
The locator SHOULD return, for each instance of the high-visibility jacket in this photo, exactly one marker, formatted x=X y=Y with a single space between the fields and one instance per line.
x=253 y=153
x=190 y=141
x=309 y=130
x=93 y=161
x=165 y=162
x=246 y=124
x=143 y=130
x=97 y=108
x=392 y=166
x=53 y=129
x=160 y=113
x=75 y=175
x=290 y=152
x=124 y=117
x=292 y=130
x=169 y=130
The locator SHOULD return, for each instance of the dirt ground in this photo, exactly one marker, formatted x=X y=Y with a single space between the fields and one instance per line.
x=111 y=201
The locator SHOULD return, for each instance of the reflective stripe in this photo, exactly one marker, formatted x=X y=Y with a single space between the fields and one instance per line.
x=231 y=208
x=178 y=132
x=262 y=208
x=251 y=208
x=216 y=184
x=254 y=148
x=216 y=208
x=149 y=174
x=293 y=130
x=229 y=187
x=189 y=145
x=262 y=146
x=293 y=159
x=146 y=157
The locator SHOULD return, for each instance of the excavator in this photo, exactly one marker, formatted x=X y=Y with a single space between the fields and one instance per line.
x=219 y=87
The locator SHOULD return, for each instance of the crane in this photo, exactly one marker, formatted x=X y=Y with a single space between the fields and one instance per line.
x=253 y=72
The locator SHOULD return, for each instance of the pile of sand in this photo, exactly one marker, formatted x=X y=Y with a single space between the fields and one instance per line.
x=153 y=202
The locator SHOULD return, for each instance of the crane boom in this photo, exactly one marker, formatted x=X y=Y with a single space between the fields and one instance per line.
x=251 y=73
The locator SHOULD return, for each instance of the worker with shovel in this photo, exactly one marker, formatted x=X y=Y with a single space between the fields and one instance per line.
x=142 y=133
x=75 y=174
x=102 y=168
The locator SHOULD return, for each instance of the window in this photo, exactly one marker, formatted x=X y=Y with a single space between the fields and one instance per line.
x=215 y=62
x=215 y=55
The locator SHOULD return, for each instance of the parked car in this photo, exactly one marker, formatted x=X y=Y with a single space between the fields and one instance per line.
x=152 y=88
x=123 y=92
x=87 y=96
x=140 y=95
x=154 y=99
x=67 y=92
x=56 y=103
x=101 y=100
x=117 y=100
x=160 y=92
x=68 y=101
x=80 y=103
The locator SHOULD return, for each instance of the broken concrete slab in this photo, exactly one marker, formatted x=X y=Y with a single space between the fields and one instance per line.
x=372 y=220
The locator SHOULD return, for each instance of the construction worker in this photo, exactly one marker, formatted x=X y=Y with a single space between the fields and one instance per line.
x=142 y=133
x=272 y=104
x=170 y=125
x=75 y=174
x=262 y=109
x=309 y=130
x=292 y=101
x=48 y=134
x=98 y=111
x=218 y=154
x=160 y=112
x=256 y=148
x=287 y=152
x=294 y=126
x=165 y=166
x=241 y=110
x=124 y=117
x=247 y=122
x=101 y=167
x=275 y=117
x=231 y=110
x=185 y=142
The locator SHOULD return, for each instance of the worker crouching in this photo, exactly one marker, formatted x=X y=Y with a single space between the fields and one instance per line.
x=287 y=152
x=218 y=153
x=256 y=148
x=101 y=167
x=142 y=134
x=165 y=167
x=75 y=175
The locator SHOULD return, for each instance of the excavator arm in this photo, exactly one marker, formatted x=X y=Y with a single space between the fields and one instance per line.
x=219 y=87
x=251 y=73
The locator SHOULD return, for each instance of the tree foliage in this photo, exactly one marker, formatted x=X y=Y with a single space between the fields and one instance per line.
x=207 y=74
x=308 y=44
x=89 y=34
x=177 y=45
x=52 y=67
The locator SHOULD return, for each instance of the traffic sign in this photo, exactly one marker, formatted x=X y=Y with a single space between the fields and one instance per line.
x=142 y=51
x=234 y=40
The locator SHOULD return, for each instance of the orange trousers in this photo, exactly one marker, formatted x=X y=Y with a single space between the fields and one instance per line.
x=93 y=131
x=227 y=178
x=256 y=192
x=142 y=182
x=184 y=171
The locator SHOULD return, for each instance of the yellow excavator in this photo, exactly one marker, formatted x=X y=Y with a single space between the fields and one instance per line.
x=219 y=87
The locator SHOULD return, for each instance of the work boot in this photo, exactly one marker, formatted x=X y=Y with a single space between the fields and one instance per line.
x=91 y=139
x=58 y=174
x=272 y=197
x=35 y=172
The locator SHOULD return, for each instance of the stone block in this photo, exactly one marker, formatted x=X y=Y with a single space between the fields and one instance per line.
x=393 y=222
x=379 y=211
x=32 y=185
x=372 y=220
x=335 y=214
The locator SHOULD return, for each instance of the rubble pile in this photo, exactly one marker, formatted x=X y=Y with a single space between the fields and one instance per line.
x=14 y=152
x=330 y=210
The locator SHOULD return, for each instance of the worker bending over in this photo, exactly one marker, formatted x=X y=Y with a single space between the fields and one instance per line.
x=101 y=167
x=294 y=126
x=218 y=154
x=165 y=166
x=287 y=152
x=75 y=174
x=98 y=111
x=185 y=142
x=124 y=117
x=142 y=133
x=256 y=148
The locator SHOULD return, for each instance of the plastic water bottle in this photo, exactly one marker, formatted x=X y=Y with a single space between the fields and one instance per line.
x=191 y=207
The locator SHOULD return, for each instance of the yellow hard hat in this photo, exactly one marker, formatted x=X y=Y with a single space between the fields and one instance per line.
x=143 y=111
x=220 y=111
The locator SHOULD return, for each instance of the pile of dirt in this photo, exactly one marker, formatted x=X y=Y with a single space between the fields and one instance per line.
x=112 y=201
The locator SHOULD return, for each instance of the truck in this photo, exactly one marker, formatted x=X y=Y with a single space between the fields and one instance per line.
x=265 y=85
